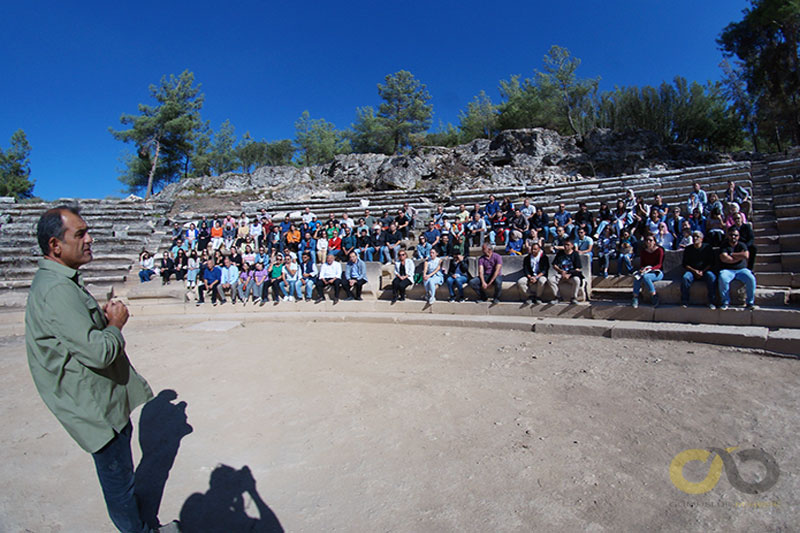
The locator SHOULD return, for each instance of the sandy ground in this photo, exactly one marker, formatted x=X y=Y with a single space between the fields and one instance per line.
x=370 y=427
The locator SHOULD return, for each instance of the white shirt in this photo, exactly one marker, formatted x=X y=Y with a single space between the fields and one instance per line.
x=327 y=271
x=308 y=217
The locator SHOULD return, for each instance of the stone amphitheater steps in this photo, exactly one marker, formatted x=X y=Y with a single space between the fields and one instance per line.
x=119 y=229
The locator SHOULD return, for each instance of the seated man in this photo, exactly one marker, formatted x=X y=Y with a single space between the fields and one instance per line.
x=392 y=246
x=567 y=266
x=432 y=234
x=697 y=199
x=445 y=246
x=535 y=267
x=562 y=218
x=698 y=261
x=355 y=276
x=211 y=278
x=330 y=275
x=584 y=244
x=733 y=257
x=364 y=247
x=490 y=272
x=228 y=280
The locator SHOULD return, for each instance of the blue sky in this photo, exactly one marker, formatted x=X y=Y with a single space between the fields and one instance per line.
x=71 y=68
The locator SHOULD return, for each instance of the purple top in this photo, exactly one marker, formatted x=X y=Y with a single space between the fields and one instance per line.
x=490 y=263
x=260 y=275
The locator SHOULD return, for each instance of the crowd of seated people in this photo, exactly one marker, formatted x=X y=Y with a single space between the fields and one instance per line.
x=255 y=257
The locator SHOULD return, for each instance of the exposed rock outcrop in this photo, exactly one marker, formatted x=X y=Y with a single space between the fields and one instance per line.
x=513 y=157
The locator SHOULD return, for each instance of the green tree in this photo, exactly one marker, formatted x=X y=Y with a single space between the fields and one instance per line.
x=480 y=119
x=279 y=153
x=201 y=156
x=445 y=136
x=744 y=103
x=249 y=152
x=405 y=108
x=222 y=157
x=766 y=42
x=318 y=140
x=15 y=168
x=162 y=134
x=370 y=133
x=560 y=83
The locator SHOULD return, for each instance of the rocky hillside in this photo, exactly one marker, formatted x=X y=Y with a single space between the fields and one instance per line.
x=513 y=157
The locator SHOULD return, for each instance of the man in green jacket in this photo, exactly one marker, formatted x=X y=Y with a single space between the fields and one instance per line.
x=77 y=358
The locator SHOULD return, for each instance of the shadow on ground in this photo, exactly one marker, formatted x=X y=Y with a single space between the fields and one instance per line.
x=162 y=425
x=222 y=508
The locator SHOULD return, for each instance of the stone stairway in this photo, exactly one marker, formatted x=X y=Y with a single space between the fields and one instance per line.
x=120 y=228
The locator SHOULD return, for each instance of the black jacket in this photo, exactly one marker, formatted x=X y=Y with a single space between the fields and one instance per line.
x=544 y=265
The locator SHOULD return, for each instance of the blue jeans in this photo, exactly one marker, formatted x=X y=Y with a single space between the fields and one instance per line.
x=745 y=276
x=686 y=283
x=624 y=260
x=145 y=275
x=648 y=279
x=431 y=284
x=114 y=465
x=291 y=288
x=457 y=281
x=309 y=287
x=367 y=254
x=605 y=260
x=385 y=254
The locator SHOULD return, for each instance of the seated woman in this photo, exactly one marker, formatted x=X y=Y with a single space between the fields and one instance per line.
x=403 y=276
x=248 y=256
x=715 y=228
x=166 y=268
x=290 y=284
x=260 y=283
x=147 y=266
x=457 y=276
x=246 y=283
x=652 y=259
x=664 y=238
x=192 y=269
x=432 y=275
x=181 y=265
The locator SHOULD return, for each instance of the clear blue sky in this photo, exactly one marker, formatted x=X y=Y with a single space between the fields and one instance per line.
x=71 y=68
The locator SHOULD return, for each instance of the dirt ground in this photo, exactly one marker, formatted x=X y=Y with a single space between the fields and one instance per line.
x=374 y=427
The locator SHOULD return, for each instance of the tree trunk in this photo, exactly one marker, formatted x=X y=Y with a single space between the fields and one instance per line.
x=152 y=172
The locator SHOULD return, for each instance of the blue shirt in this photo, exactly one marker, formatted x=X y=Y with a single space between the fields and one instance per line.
x=562 y=218
x=215 y=274
x=492 y=208
x=357 y=270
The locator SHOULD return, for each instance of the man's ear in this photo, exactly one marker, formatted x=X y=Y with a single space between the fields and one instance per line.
x=55 y=246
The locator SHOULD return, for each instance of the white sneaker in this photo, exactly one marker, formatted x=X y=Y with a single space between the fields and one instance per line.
x=291 y=298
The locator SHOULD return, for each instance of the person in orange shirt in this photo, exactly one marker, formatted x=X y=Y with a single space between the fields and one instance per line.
x=216 y=236
x=293 y=238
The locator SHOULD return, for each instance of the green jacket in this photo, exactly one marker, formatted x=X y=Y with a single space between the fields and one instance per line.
x=77 y=361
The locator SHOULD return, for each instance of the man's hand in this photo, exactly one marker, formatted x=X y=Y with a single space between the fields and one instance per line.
x=116 y=313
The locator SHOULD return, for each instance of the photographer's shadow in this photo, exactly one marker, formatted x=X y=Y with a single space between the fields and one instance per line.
x=162 y=425
x=222 y=508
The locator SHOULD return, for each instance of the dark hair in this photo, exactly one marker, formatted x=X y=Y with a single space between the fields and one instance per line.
x=51 y=225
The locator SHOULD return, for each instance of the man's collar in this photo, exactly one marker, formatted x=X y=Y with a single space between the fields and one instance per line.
x=63 y=270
